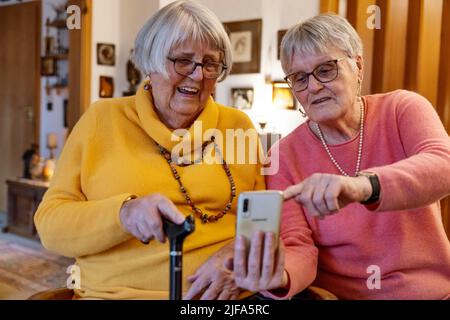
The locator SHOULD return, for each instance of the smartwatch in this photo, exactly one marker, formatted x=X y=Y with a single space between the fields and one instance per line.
x=373 y=178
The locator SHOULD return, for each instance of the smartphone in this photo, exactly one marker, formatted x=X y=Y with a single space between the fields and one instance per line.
x=259 y=210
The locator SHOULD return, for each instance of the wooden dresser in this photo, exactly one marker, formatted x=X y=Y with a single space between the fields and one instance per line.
x=24 y=197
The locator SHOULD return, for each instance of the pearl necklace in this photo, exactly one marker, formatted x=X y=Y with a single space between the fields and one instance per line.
x=360 y=146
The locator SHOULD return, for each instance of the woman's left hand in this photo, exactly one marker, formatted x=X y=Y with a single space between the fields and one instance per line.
x=324 y=194
x=215 y=278
x=262 y=266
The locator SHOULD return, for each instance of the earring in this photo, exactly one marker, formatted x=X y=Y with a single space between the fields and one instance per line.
x=358 y=89
x=148 y=83
x=302 y=112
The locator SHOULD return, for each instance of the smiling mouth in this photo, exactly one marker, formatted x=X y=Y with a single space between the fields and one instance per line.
x=188 y=90
x=317 y=101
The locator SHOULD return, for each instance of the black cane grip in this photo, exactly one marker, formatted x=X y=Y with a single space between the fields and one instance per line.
x=179 y=231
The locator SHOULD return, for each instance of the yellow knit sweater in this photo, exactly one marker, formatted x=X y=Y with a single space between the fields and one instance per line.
x=111 y=154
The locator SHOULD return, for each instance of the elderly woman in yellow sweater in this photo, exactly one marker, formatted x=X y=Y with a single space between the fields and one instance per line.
x=118 y=174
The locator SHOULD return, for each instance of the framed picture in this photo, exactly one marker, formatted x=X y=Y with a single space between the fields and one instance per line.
x=49 y=45
x=242 y=98
x=106 y=88
x=106 y=54
x=282 y=96
x=48 y=66
x=280 y=36
x=245 y=37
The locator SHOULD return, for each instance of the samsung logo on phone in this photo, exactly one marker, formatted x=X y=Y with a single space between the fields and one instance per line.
x=261 y=219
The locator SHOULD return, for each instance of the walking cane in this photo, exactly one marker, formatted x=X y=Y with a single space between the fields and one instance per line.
x=176 y=234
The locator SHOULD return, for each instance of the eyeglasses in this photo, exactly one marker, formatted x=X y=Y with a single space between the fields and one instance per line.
x=325 y=72
x=185 y=67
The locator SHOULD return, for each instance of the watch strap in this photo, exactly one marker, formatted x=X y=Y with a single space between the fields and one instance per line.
x=375 y=183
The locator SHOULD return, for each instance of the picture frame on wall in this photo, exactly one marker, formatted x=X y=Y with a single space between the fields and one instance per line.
x=106 y=87
x=245 y=38
x=280 y=36
x=48 y=66
x=282 y=97
x=106 y=54
x=242 y=98
x=49 y=45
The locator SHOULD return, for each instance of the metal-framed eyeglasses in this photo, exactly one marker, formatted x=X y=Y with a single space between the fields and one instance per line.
x=325 y=72
x=185 y=67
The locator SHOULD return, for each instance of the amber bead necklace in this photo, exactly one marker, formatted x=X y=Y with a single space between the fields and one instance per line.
x=203 y=216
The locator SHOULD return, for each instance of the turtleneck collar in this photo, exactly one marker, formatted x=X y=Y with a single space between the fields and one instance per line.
x=164 y=136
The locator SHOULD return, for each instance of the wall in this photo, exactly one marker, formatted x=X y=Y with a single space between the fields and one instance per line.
x=132 y=18
x=105 y=29
x=276 y=15
x=52 y=120
x=116 y=21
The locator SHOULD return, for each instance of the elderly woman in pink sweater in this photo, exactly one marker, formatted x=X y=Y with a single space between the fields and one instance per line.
x=364 y=175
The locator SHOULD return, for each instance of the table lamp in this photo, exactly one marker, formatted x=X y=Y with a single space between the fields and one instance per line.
x=52 y=143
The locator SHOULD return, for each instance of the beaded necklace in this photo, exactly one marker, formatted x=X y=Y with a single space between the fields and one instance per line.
x=360 y=146
x=203 y=216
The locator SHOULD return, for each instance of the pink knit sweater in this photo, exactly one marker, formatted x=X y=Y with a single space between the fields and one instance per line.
x=409 y=149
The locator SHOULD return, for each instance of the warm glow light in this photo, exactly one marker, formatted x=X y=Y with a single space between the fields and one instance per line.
x=52 y=140
x=282 y=96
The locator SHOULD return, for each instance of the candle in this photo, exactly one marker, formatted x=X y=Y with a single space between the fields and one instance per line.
x=52 y=140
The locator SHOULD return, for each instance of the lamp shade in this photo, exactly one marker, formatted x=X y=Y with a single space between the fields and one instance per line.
x=52 y=140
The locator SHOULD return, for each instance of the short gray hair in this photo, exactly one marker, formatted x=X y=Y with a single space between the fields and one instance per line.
x=174 y=24
x=319 y=34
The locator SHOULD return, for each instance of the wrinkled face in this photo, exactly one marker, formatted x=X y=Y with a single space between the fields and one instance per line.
x=330 y=101
x=180 y=99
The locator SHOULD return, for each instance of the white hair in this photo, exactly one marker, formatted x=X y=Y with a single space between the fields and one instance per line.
x=173 y=25
x=318 y=35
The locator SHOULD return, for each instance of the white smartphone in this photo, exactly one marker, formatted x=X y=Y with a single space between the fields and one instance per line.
x=259 y=210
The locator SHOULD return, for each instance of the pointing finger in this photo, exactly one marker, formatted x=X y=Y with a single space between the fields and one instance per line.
x=292 y=191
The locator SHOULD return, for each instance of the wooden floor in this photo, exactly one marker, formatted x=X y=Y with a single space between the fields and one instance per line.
x=27 y=268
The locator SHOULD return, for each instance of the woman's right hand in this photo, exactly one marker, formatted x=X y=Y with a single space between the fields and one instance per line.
x=142 y=217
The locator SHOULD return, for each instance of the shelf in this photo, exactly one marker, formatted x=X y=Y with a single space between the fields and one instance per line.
x=62 y=56
x=57 y=87
x=60 y=24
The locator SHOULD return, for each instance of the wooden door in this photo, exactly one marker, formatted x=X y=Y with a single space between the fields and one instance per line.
x=80 y=64
x=20 y=36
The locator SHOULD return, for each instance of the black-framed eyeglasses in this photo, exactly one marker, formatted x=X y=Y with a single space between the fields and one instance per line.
x=325 y=72
x=185 y=67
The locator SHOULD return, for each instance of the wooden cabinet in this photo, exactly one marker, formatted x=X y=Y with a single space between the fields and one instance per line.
x=24 y=197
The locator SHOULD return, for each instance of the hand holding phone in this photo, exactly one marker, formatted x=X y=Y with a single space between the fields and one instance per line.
x=259 y=211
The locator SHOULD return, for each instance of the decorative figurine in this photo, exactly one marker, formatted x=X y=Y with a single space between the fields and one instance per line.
x=29 y=158
x=133 y=76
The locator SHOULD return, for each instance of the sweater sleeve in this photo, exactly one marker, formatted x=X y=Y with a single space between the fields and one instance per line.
x=301 y=253
x=423 y=177
x=67 y=221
